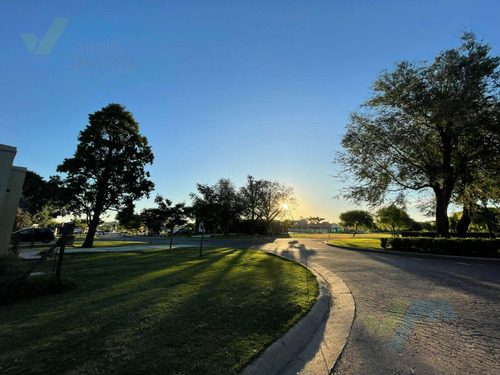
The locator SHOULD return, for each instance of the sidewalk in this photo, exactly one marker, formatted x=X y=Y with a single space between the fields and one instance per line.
x=35 y=254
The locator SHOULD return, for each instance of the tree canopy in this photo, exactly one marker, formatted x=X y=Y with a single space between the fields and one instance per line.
x=41 y=201
x=315 y=220
x=107 y=170
x=393 y=218
x=428 y=126
x=218 y=205
x=356 y=219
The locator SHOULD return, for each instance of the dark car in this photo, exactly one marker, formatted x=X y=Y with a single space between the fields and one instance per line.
x=33 y=235
x=180 y=231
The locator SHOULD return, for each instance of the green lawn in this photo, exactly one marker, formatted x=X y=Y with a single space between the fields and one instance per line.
x=156 y=312
x=364 y=240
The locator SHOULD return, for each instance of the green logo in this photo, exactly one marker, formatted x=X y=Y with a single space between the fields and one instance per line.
x=404 y=316
x=48 y=41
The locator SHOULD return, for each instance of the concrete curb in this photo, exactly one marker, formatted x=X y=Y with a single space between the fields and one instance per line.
x=315 y=343
x=403 y=253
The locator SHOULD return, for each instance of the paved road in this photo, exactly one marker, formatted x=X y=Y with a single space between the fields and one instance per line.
x=458 y=336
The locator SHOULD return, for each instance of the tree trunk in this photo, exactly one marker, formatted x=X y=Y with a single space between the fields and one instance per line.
x=355 y=230
x=94 y=222
x=488 y=220
x=442 y=202
x=443 y=193
x=171 y=237
x=464 y=222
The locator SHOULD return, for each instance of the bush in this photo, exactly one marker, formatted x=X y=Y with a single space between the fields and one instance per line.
x=446 y=246
x=383 y=242
x=12 y=289
x=31 y=287
x=407 y=233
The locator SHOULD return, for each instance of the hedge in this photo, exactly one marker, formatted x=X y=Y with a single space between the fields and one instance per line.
x=448 y=246
x=407 y=233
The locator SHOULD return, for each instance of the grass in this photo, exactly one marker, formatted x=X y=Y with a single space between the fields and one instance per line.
x=156 y=312
x=364 y=240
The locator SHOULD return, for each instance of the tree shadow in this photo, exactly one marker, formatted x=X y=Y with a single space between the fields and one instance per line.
x=481 y=276
x=140 y=322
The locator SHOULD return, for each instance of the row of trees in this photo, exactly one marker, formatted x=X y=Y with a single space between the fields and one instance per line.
x=390 y=217
x=221 y=205
x=394 y=218
x=218 y=207
x=108 y=172
x=429 y=127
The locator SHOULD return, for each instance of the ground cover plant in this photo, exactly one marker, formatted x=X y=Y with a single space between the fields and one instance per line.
x=156 y=312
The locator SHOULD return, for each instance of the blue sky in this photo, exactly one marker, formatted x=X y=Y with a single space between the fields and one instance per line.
x=220 y=88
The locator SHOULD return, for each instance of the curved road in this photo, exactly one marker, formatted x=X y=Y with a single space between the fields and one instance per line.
x=415 y=314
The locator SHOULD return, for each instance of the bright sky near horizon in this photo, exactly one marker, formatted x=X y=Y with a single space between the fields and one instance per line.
x=220 y=88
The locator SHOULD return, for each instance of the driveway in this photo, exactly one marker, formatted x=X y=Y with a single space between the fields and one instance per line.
x=414 y=314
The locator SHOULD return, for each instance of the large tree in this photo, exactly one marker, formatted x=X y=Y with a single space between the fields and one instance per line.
x=42 y=200
x=107 y=170
x=428 y=126
x=276 y=200
x=356 y=219
x=393 y=217
x=128 y=218
x=251 y=196
x=218 y=205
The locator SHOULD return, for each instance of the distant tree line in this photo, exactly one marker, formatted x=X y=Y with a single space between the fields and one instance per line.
x=219 y=208
x=396 y=219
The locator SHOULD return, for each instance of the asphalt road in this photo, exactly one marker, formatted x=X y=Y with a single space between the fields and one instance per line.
x=414 y=314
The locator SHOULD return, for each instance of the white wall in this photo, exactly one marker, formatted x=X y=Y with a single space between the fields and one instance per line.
x=11 y=184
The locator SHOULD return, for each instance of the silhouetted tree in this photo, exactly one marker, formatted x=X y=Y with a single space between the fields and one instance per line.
x=108 y=167
x=428 y=126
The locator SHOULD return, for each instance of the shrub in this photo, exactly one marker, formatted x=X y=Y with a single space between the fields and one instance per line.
x=448 y=246
x=407 y=233
x=12 y=289
x=383 y=242
x=31 y=287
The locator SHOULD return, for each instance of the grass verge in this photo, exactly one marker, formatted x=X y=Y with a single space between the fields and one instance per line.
x=363 y=241
x=156 y=312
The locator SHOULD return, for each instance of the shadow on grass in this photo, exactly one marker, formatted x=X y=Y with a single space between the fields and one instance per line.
x=154 y=312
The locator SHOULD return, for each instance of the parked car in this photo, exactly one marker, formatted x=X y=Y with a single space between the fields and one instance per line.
x=180 y=231
x=33 y=235
x=97 y=232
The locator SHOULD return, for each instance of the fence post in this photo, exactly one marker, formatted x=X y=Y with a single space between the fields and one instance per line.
x=67 y=230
